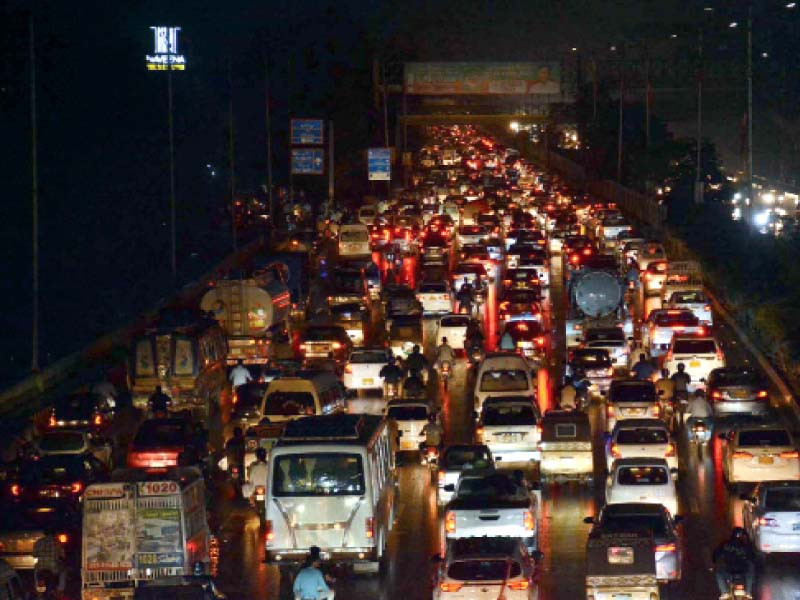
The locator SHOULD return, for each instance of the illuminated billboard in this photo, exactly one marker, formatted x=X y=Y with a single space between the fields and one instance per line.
x=165 y=54
x=507 y=78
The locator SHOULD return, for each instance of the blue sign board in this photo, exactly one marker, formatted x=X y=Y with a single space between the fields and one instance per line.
x=379 y=164
x=307 y=132
x=308 y=161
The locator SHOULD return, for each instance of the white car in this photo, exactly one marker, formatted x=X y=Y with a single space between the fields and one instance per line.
x=485 y=568
x=695 y=301
x=454 y=328
x=612 y=339
x=663 y=323
x=503 y=374
x=771 y=516
x=700 y=355
x=367 y=215
x=510 y=428
x=435 y=297
x=363 y=367
x=410 y=416
x=757 y=453
x=643 y=480
x=654 y=278
x=471 y=234
x=641 y=438
x=457 y=458
x=650 y=252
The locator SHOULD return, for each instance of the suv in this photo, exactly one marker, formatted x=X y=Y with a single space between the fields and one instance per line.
x=457 y=458
x=510 y=428
x=663 y=323
x=700 y=356
x=737 y=391
x=631 y=399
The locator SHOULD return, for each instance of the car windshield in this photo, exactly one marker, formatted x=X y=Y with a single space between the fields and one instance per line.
x=154 y=434
x=456 y=321
x=433 y=287
x=508 y=414
x=462 y=458
x=324 y=334
x=735 y=378
x=289 y=404
x=354 y=236
x=370 y=357
x=61 y=441
x=619 y=522
x=520 y=296
x=685 y=319
x=348 y=282
x=703 y=346
x=483 y=570
x=346 y=312
x=76 y=408
x=318 y=474
x=592 y=358
x=471 y=230
x=504 y=380
x=688 y=297
x=636 y=392
x=469 y=268
x=54 y=469
x=783 y=499
x=408 y=413
x=642 y=476
x=764 y=437
x=491 y=487
x=642 y=435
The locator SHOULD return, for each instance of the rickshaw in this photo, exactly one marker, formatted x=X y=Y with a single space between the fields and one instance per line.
x=621 y=565
x=566 y=447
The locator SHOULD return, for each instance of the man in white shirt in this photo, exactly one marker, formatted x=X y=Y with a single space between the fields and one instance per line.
x=240 y=375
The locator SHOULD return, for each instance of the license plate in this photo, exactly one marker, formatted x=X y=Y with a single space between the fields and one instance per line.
x=368 y=381
x=634 y=411
x=765 y=460
x=509 y=437
x=694 y=364
x=740 y=394
x=621 y=596
x=567 y=458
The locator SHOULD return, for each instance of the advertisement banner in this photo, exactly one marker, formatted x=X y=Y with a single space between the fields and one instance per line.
x=503 y=78
x=108 y=532
x=159 y=542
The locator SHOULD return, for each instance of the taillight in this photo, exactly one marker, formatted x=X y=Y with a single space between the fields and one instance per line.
x=741 y=454
x=527 y=521
x=707 y=307
x=656 y=410
x=450 y=522
x=609 y=411
x=447 y=586
x=52 y=421
x=762 y=394
x=518 y=585
x=540 y=341
x=668 y=547
x=336 y=345
x=98 y=420
x=261 y=490
x=670 y=450
x=790 y=454
x=302 y=346
x=767 y=522
x=479 y=433
x=441 y=477
x=369 y=527
x=615 y=451
x=63 y=538
x=76 y=488
x=720 y=355
x=348 y=368
x=235 y=397
x=537 y=431
x=16 y=490
x=716 y=394
x=269 y=533
x=610 y=372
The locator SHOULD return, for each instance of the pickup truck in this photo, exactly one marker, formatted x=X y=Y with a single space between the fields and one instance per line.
x=492 y=503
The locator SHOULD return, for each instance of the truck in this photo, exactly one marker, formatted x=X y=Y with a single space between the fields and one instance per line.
x=596 y=299
x=247 y=308
x=140 y=527
x=492 y=503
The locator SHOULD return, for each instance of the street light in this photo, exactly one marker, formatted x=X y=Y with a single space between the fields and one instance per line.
x=791 y=4
x=733 y=25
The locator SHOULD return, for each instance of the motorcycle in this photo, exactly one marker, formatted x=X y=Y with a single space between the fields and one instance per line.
x=475 y=355
x=699 y=433
x=257 y=501
x=391 y=390
x=430 y=458
x=444 y=373
x=737 y=589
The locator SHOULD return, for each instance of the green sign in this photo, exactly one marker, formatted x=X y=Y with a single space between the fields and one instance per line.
x=508 y=78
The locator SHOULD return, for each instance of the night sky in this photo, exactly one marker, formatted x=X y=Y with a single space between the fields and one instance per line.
x=102 y=126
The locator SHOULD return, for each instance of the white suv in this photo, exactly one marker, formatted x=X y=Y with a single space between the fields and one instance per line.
x=699 y=354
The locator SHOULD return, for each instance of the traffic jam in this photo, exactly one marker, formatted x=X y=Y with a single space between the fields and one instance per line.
x=487 y=385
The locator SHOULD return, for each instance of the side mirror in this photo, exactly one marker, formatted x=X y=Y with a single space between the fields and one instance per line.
x=588 y=520
x=450 y=487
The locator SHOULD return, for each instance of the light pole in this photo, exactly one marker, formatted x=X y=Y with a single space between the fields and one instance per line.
x=268 y=125
x=34 y=204
x=698 y=184
x=748 y=205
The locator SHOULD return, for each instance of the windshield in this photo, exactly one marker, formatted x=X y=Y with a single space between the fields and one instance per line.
x=694 y=347
x=55 y=469
x=249 y=396
x=723 y=378
x=483 y=570
x=288 y=404
x=323 y=334
x=348 y=282
x=686 y=319
x=643 y=476
x=439 y=288
x=504 y=380
x=354 y=236
x=630 y=522
x=61 y=441
x=764 y=437
x=644 y=392
x=461 y=458
x=783 y=499
x=642 y=435
x=318 y=474
x=408 y=413
x=508 y=414
x=366 y=358
x=592 y=358
x=492 y=487
x=688 y=297
x=454 y=322
x=75 y=408
x=603 y=335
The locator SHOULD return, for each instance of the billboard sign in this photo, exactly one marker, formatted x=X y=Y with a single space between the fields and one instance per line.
x=508 y=78
x=165 y=53
x=307 y=132
x=379 y=164
x=308 y=161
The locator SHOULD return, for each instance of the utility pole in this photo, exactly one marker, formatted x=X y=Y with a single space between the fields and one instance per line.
x=231 y=163
x=330 y=166
x=34 y=203
x=619 y=133
x=698 y=185
x=749 y=206
x=268 y=124
x=647 y=92
x=385 y=110
x=594 y=87
x=174 y=260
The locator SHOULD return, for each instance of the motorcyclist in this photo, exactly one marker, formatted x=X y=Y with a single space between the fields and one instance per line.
x=465 y=297
x=682 y=380
x=50 y=558
x=735 y=556
x=416 y=362
x=568 y=395
x=643 y=369
x=474 y=336
x=391 y=374
x=434 y=433
x=699 y=410
x=159 y=402
x=234 y=449
x=581 y=385
x=256 y=474
x=444 y=353
x=632 y=274
x=413 y=386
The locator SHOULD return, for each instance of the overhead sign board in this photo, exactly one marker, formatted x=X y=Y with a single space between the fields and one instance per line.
x=379 y=164
x=165 y=52
x=507 y=78
x=307 y=132
x=308 y=161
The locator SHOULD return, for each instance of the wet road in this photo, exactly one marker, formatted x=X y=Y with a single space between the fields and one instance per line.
x=708 y=507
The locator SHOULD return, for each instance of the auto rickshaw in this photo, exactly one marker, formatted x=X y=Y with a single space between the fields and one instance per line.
x=621 y=565
x=566 y=447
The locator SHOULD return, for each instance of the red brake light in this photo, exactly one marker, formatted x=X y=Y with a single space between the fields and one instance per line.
x=527 y=521
x=609 y=410
x=450 y=587
x=540 y=341
x=441 y=477
x=450 y=522
x=15 y=489
x=670 y=450
x=369 y=528
x=518 y=585
x=348 y=368
x=52 y=421
x=741 y=454
x=76 y=488
x=669 y=547
x=269 y=532
x=336 y=345
x=790 y=454
x=63 y=538
x=656 y=410
x=615 y=451
x=762 y=394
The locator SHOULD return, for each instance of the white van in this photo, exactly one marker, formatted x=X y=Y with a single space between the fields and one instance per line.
x=354 y=240
x=304 y=393
x=410 y=416
x=503 y=374
x=333 y=486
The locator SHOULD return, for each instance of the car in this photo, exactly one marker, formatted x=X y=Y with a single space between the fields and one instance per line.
x=520 y=302
x=663 y=323
x=475 y=273
x=737 y=392
x=321 y=341
x=478 y=253
x=435 y=297
x=400 y=299
x=497 y=566
x=649 y=251
x=363 y=367
x=694 y=300
x=641 y=438
x=456 y=458
x=641 y=516
x=351 y=317
x=496 y=249
x=502 y=374
x=596 y=365
x=531 y=340
x=699 y=354
x=454 y=328
x=159 y=442
x=410 y=417
x=84 y=410
x=74 y=442
x=611 y=339
x=194 y=587
x=645 y=480
x=23 y=524
x=471 y=234
x=435 y=248
x=631 y=399
x=510 y=428
x=367 y=215
x=759 y=452
x=58 y=476
x=246 y=409
x=403 y=333
x=653 y=277
x=771 y=516
x=521 y=279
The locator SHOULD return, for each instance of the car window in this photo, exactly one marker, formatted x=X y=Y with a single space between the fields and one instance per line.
x=365 y=358
x=764 y=437
x=615 y=335
x=323 y=334
x=686 y=319
x=461 y=458
x=612 y=522
x=153 y=434
x=62 y=441
x=504 y=380
x=688 y=297
x=483 y=570
x=408 y=413
x=633 y=393
x=735 y=378
x=642 y=476
x=433 y=287
x=508 y=414
x=642 y=435
x=782 y=499
x=694 y=347
x=289 y=404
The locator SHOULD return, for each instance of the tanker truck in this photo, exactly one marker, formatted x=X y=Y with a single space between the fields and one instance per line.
x=596 y=300
x=248 y=309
